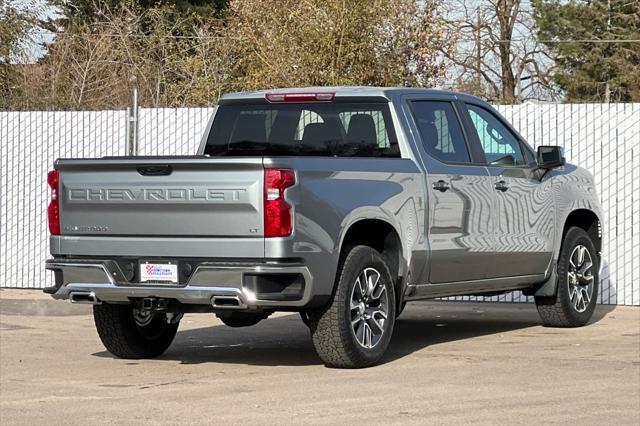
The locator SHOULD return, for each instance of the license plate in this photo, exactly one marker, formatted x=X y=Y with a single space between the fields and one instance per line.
x=159 y=272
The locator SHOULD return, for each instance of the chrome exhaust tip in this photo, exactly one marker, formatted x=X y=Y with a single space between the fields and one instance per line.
x=86 y=298
x=229 y=301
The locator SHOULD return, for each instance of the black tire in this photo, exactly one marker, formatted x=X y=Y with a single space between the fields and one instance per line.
x=331 y=326
x=559 y=310
x=241 y=319
x=401 y=309
x=304 y=316
x=124 y=338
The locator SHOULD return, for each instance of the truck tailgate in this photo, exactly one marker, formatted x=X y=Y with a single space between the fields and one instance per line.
x=161 y=197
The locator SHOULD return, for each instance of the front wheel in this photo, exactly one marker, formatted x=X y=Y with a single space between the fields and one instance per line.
x=355 y=328
x=577 y=287
x=128 y=334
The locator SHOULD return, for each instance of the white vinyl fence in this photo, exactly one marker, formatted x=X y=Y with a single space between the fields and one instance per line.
x=604 y=138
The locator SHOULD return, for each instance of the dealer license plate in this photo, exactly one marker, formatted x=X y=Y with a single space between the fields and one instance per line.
x=158 y=272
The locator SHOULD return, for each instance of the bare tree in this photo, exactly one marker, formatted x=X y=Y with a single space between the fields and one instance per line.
x=498 y=56
x=97 y=64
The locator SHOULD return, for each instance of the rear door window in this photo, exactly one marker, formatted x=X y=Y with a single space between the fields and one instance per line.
x=440 y=131
x=340 y=129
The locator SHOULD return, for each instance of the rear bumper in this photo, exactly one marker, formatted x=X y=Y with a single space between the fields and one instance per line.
x=210 y=283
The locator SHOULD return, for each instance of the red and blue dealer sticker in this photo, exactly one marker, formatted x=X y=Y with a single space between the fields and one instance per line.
x=166 y=272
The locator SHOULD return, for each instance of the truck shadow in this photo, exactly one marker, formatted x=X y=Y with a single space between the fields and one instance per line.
x=285 y=340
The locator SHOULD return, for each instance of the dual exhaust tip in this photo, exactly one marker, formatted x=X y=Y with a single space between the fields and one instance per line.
x=90 y=298
x=227 y=301
x=84 y=298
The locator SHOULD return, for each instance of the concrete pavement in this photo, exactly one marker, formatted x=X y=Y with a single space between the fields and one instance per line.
x=449 y=363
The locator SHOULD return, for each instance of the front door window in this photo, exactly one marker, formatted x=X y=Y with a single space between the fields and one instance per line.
x=500 y=145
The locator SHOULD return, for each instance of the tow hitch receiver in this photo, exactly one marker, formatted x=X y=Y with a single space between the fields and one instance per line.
x=154 y=304
x=145 y=309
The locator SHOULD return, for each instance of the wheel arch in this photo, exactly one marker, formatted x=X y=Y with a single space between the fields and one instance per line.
x=588 y=220
x=382 y=236
x=582 y=217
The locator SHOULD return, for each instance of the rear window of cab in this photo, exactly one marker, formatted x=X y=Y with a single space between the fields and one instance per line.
x=333 y=129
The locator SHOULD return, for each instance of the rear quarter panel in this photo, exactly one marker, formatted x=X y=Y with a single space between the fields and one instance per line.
x=331 y=194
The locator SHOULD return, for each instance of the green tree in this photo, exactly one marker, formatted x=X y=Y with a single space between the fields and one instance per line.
x=86 y=11
x=594 y=63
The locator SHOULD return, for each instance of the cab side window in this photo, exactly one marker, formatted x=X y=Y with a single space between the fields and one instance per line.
x=440 y=131
x=500 y=146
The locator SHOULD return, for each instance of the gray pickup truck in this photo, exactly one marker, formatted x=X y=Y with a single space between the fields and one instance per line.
x=341 y=204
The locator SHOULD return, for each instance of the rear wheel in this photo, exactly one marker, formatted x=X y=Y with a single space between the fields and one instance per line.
x=355 y=328
x=578 y=281
x=133 y=335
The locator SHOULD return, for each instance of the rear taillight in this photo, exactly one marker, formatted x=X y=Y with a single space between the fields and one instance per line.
x=53 y=211
x=277 y=212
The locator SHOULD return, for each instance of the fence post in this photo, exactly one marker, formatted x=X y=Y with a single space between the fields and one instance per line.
x=132 y=125
x=127 y=135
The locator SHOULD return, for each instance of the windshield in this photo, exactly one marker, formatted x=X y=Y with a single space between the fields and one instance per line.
x=314 y=129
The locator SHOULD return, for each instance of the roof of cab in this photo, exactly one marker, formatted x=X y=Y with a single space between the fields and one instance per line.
x=347 y=91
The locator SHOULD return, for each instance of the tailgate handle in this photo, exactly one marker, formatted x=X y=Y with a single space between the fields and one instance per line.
x=155 y=170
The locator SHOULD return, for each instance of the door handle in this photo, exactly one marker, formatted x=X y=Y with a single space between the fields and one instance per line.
x=441 y=186
x=501 y=186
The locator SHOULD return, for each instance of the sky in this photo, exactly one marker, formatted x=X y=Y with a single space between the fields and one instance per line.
x=37 y=36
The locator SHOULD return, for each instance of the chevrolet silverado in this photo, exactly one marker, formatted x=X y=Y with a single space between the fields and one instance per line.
x=339 y=203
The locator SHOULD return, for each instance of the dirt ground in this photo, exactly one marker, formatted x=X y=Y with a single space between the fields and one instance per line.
x=448 y=363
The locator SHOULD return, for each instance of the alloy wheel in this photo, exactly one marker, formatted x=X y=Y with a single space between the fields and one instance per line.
x=580 y=278
x=369 y=307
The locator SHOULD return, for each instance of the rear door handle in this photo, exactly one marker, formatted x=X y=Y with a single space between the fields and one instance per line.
x=441 y=186
x=501 y=186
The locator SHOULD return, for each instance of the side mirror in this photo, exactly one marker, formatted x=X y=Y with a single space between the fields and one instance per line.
x=550 y=157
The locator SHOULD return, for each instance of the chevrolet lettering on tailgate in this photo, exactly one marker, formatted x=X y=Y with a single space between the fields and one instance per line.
x=152 y=194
